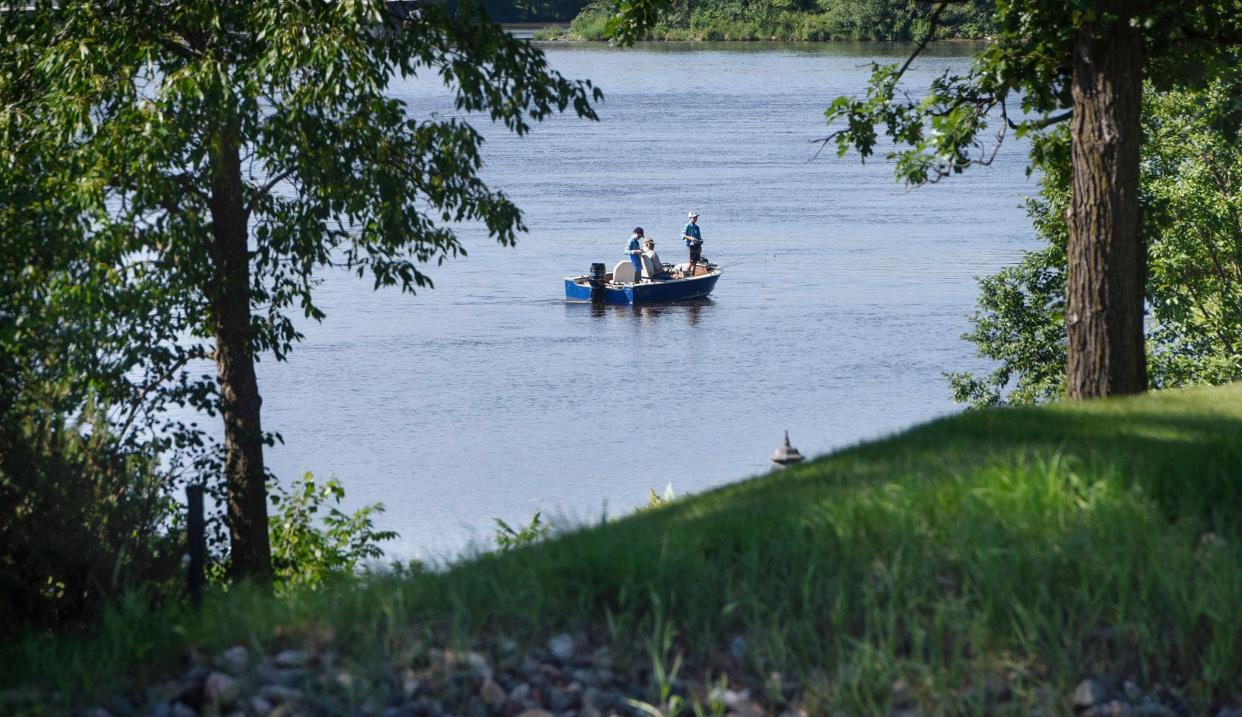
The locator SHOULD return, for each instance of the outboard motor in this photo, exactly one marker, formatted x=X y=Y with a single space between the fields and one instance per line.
x=598 y=278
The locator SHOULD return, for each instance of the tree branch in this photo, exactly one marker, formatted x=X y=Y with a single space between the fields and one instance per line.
x=136 y=404
x=933 y=23
x=268 y=186
x=1043 y=123
x=179 y=47
x=1218 y=37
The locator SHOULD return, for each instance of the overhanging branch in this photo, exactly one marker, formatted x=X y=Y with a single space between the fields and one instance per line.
x=933 y=24
x=1042 y=123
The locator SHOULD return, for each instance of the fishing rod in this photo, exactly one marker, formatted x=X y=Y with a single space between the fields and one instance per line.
x=735 y=262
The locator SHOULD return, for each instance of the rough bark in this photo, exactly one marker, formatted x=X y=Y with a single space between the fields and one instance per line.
x=1107 y=259
x=250 y=550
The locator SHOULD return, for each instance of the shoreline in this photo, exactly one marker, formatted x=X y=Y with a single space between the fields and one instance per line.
x=535 y=36
x=741 y=32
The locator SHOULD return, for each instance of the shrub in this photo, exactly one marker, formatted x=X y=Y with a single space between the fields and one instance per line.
x=83 y=522
x=590 y=23
x=305 y=554
x=508 y=537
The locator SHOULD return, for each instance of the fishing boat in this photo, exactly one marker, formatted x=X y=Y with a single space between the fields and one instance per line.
x=673 y=282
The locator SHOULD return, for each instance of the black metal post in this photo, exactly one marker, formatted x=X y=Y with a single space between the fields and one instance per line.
x=197 y=538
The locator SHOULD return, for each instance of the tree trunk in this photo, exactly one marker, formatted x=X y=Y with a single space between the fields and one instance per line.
x=250 y=550
x=1107 y=259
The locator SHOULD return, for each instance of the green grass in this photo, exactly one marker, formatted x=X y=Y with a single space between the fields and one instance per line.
x=984 y=562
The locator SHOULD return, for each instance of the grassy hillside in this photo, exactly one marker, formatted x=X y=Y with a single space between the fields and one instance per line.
x=798 y=20
x=983 y=563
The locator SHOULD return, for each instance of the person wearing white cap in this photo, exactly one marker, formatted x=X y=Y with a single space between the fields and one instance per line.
x=694 y=238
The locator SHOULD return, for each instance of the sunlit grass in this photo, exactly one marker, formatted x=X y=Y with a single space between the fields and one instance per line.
x=980 y=563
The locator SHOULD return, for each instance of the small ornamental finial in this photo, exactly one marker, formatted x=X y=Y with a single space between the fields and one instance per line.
x=786 y=455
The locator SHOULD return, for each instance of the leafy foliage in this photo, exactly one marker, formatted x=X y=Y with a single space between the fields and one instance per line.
x=781 y=20
x=533 y=10
x=1192 y=223
x=1021 y=81
x=336 y=173
x=1054 y=59
x=177 y=176
x=305 y=554
x=84 y=521
x=1194 y=212
x=85 y=509
x=508 y=537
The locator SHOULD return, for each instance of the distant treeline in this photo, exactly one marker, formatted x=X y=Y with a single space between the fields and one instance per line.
x=770 y=19
x=534 y=10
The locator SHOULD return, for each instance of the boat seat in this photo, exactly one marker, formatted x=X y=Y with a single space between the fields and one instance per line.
x=651 y=265
x=623 y=272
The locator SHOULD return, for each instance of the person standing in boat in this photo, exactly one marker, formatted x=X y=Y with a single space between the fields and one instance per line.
x=635 y=251
x=694 y=239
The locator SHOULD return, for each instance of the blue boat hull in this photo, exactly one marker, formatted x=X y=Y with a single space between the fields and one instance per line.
x=652 y=292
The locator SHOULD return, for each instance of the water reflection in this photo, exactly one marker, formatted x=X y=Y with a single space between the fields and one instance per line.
x=692 y=310
x=647 y=314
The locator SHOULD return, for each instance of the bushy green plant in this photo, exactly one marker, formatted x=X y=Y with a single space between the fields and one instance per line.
x=309 y=546
x=508 y=537
x=84 y=520
x=590 y=23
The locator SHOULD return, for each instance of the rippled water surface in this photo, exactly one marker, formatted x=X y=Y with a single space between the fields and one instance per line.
x=491 y=397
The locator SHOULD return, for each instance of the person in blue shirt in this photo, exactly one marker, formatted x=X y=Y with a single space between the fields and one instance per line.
x=694 y=239
x=635 y=251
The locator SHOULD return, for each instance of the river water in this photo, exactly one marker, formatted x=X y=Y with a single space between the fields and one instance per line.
x=490 y=397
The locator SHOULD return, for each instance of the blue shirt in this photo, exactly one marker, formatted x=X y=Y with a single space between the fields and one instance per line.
x=692 y=230
x=635 y=250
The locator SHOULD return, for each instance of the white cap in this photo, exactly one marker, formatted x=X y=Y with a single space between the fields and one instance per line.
x=691 y=214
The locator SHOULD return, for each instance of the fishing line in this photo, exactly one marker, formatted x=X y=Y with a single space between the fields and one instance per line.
x=735 y=262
